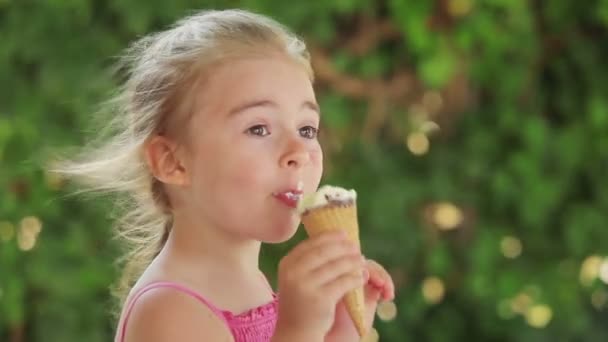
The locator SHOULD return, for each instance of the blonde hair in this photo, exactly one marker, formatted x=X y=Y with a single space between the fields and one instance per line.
x=160 y=70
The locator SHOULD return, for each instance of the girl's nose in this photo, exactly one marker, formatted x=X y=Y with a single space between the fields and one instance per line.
x=296 y=154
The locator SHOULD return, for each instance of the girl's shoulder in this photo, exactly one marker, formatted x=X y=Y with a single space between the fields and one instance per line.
x=166 y=312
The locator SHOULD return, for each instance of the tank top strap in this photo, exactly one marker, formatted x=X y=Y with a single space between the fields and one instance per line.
x=165 y=284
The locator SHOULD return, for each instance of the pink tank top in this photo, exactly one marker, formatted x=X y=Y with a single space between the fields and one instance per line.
x=254 y=325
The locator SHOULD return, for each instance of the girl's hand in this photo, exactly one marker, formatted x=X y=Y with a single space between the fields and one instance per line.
x=312 y=278
x=379 y=286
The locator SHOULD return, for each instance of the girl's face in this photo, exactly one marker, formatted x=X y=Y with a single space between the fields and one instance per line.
x=253 y=144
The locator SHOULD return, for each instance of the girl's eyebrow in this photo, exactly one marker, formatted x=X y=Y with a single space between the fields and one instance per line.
x=269 y=103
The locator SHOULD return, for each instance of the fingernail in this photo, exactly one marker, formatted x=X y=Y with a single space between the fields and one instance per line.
x=365 y=274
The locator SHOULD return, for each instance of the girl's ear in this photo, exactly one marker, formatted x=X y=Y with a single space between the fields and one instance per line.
x=165 y=162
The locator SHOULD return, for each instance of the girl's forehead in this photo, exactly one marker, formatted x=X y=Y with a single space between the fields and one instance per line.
x=276 y=79
x=245 y=72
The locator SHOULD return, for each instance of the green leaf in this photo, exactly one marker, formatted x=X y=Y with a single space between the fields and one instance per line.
x=436 y=70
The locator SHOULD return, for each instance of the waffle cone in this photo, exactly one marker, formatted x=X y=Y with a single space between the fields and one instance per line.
x=334 y=217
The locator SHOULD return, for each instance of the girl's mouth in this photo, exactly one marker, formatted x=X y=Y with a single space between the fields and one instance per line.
x=290 y=197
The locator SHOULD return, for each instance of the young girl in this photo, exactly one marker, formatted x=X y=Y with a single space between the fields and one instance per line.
x=214 y=140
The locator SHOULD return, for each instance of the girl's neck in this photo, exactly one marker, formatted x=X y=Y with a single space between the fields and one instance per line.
x=218 y=265
x=210 y=248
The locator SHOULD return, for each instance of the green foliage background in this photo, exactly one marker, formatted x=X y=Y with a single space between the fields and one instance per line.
x=518 y=89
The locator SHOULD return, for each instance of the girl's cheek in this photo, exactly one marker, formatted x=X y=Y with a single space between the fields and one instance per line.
x=316 y=156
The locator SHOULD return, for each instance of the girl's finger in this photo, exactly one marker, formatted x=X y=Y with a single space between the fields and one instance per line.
x=326 y=273
x=376 y=274
x=381 y=279
x=390 y=290
x=326 y=254
x=376 y=280
x=314 y=242
x=337 y=288
x=372 y=294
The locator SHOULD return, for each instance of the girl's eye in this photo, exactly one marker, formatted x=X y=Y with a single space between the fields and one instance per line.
x=259 y=130
x=309 y=132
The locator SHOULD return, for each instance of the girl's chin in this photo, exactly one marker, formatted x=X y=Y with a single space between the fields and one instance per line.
x=281 y=233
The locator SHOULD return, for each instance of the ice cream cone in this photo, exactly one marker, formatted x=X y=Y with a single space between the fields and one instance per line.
x=333 y=217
